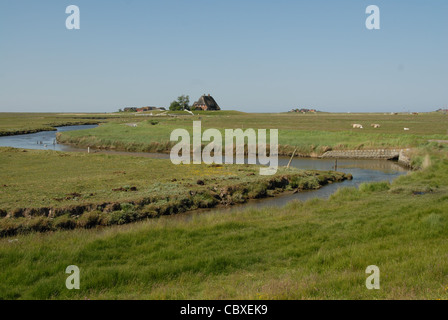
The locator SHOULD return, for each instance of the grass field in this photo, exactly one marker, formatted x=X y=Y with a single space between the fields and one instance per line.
x=46 y=190
x=318 y=249
x=311 y=134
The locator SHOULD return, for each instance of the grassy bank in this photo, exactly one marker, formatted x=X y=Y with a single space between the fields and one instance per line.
x=310 y=134
x=317 y=249
x=47 y=191
x=24 y=123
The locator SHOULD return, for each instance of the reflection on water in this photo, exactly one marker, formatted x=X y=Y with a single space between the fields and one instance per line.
x=384 y=166
x=45 y=140
x=362 y=171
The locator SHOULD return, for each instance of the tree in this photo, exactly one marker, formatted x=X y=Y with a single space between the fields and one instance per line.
x=175 y=106
x=182 y=103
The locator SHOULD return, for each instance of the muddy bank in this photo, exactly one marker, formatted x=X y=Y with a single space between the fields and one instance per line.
x=89 y=215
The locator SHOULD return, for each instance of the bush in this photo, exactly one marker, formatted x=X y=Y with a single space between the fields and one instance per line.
x=180 y=104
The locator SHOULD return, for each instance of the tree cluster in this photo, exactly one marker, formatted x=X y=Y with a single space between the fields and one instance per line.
x=182 y=103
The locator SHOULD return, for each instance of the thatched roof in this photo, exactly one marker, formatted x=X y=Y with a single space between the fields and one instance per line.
x=206 y=102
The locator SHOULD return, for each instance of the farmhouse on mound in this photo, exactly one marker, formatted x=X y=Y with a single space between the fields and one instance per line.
x=304 y=110
x=206 y=102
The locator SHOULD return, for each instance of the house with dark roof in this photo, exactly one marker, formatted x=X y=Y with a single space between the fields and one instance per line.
x=206 y=103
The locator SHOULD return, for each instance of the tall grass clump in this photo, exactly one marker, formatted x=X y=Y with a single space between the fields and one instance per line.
x=374 y=186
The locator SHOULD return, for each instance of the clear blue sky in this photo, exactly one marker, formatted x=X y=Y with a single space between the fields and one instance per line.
x=251 y=55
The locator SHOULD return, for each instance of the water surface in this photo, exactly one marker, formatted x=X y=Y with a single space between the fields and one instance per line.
x=44 y=140
x=361 y=170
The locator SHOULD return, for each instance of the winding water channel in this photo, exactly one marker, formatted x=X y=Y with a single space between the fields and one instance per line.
x=44 y=140
x=362 y=170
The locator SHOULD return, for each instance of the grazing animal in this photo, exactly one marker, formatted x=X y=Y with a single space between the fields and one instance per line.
x=406 y=129
x=375 y=125
x=357 y=126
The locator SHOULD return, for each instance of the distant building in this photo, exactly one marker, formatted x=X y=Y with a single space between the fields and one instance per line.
x=143 y=109
x=304 y=110
x=206 y=103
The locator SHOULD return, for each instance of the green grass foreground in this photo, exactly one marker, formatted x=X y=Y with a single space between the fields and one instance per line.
x=317 y=249
x=311 y=134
